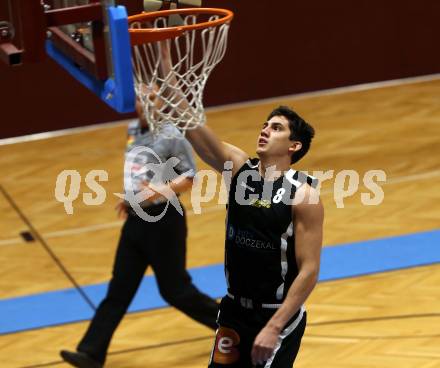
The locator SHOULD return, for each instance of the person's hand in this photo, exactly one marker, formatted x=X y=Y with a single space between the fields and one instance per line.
x=121 y=209
x=264 y=345
x=155 y=191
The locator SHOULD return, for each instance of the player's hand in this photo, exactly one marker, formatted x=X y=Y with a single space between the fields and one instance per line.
x=264 y=345
x=121 y=209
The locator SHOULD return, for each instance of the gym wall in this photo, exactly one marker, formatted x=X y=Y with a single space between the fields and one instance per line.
x=297 y=47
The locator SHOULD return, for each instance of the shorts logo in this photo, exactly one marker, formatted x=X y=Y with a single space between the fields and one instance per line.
x=225 y=349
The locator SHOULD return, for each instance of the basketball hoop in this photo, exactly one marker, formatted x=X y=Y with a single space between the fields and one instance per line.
x=172 y=63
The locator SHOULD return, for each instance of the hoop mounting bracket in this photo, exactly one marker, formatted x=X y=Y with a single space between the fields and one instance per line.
x=9 y=53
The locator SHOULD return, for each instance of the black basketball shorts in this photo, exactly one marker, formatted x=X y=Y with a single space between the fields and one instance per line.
x=238 y=328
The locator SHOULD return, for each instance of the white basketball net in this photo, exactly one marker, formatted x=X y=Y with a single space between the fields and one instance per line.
x=170 y=75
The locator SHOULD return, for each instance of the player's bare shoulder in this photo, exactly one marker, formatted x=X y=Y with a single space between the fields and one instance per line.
x=306 y=194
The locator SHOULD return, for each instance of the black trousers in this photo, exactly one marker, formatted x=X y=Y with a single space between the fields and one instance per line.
x=161 y=245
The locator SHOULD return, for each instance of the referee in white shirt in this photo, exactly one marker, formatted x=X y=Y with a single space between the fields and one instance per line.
x=160 y=244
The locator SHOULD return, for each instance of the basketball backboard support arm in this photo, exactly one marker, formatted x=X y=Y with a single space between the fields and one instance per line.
x=9 y=53
x=113 y=84
x=117 y=91
x=94 y=64
x=27 y=24
x=39 y=28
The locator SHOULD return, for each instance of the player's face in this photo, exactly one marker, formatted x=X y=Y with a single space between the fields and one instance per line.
x=274 y=137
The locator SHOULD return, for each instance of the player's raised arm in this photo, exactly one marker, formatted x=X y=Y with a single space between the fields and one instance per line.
x=214 y=152
x=204 y=141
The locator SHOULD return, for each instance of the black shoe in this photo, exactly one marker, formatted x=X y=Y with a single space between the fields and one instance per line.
x=79 y=359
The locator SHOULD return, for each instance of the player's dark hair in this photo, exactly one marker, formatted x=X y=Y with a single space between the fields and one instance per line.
x=300 y=130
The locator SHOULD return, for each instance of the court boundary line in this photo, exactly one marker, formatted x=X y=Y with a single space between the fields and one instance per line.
x=61 y=132
x=46 y=247
x=236 y=105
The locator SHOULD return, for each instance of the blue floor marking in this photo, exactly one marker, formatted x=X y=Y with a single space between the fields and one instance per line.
x=42 y=310
x=381 y=255
x=342 y=261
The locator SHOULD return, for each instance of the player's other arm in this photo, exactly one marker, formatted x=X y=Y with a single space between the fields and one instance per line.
x=308 y=217
x=214 y=152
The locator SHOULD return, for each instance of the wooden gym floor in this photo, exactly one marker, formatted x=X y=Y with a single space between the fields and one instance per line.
x=388 y=319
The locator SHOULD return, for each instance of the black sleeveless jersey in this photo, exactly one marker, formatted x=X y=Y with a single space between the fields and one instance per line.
x=260 y=254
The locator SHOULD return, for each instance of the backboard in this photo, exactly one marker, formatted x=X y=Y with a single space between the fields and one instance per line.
x=88 y=38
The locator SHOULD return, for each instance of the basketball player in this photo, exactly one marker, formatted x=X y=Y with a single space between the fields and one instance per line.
x=273 y=243
x=160 y=244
